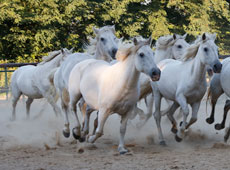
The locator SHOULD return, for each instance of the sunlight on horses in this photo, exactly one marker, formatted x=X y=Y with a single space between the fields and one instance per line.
x=99 y=77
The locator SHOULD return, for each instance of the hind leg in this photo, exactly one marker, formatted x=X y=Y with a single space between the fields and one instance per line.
x=195 y=109
x=74 y=98
x=171 y=118
x=221 y=125
x=28 y=104
x=15 y=99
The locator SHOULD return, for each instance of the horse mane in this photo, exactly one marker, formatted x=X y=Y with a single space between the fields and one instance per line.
x=51 y=55
x=91 y=47
x=128 y=47
x=164 y=42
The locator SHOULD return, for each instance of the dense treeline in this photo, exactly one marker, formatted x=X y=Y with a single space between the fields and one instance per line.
x=31 y=28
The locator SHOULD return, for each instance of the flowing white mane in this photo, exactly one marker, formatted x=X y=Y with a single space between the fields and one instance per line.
x=51 y=55
x=90 y=47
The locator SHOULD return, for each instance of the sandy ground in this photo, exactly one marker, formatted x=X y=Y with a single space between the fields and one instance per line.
x=38 y=143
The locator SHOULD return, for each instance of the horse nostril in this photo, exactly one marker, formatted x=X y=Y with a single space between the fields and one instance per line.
x=114 y=51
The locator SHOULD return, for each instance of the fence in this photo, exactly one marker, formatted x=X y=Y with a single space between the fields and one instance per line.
x=5 y=71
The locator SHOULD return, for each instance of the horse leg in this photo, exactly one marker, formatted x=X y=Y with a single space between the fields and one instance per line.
x=195 y=108
x=227 y=134
x=52 y=102
x=171 y=118
x=102 y=117
x=157 y=116
x=121 y=147
x=215 y=91
x=14 y=103
x=73 y=107
x=87 y=119
x=184 y=106
x=28 y=104
x=66 y=130
x=95 y=124
x=221 y=125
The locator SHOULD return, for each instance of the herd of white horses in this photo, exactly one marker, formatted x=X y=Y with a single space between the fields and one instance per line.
x=112 y=75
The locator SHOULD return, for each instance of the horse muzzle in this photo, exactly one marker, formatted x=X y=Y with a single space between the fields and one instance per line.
x=155 y=74
x=217 y=67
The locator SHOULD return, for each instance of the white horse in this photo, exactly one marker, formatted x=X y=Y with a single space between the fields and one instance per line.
x=184 y=82
x=167 y=47
x=103 y=46
x=218 y=86
x=112 y=88
x=33 y=81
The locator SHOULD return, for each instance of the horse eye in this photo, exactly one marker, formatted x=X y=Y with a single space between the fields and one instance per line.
x=102 y=39
x=179 y=46
x=205 y=49
x=141 y=55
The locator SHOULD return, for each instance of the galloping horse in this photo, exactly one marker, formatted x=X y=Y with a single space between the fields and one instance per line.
x=184 y=82
x=33 y=81
x=112 y=88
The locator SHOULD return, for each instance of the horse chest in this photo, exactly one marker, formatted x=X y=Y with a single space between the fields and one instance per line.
x=195 y=93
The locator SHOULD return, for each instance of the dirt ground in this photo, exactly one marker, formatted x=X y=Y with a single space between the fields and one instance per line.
x=38 y=143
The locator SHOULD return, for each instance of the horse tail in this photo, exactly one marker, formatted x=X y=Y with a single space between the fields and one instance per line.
x=209 y=95
x=51 y=76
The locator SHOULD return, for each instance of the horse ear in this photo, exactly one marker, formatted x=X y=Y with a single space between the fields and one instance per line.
x=113 y=29
x=149 y=40
x=184 y=36
x=71 y=50
x=214 y=36
x=135 y=41
x=95 y=30
x=152 y=43
x=174 y=36
x=204 y=37
x=62 y=50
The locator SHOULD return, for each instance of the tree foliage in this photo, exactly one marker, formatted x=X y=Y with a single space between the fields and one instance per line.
x=31 y=28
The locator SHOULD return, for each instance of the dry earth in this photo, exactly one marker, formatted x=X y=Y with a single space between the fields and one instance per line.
x=39 y=145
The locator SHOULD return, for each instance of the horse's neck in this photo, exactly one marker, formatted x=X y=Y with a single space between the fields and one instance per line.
x=99 y=54
x=161 y=54
x=198 y=70
x=130 y=75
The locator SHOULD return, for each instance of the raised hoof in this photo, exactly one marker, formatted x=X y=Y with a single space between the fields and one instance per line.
x=66 y=134
x=174 y=130
x=178 y=139
x=74 y=135
x=163 y=143
x=219 y=127
x=209 y=120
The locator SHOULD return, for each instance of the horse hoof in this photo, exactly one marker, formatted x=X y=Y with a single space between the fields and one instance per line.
x=66 y=134
x=122 y=151
x=209 y=120
x=163 y=143
x=178 y=139
x=219 y=127
x=174 y=130
x=82 y=139
x=74 y=135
